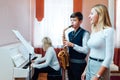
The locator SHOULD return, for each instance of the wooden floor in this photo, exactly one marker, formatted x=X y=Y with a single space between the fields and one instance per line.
x=115 y=75
x=42 y=76
x=19 y=78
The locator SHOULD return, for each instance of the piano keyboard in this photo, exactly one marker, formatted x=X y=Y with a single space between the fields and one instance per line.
x=28 y=64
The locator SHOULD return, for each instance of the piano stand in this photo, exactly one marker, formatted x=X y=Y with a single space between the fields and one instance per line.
x=30 y=66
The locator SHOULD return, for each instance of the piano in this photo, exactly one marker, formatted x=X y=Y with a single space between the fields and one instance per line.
x=19 y=55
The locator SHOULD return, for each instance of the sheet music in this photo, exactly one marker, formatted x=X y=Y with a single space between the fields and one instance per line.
x=21 y=55
x=29 y=48
x=17 y=58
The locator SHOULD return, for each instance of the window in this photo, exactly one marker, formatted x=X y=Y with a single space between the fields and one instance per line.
x=56 y=18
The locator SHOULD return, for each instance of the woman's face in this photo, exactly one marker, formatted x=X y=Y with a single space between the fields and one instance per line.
x=75 y=22
x=93 y=16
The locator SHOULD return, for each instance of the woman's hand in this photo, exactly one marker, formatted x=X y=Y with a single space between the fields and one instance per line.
x=83 y=75
x=95 y=78
x=33 y=65
x=32 y=61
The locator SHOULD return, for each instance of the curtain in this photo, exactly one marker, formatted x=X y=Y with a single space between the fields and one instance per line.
x=118 y=23
x=56 y=18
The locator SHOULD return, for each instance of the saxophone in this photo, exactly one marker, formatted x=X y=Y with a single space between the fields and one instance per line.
x=63 y=55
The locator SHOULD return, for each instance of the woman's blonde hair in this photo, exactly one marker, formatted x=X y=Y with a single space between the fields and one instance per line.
x=103 y=17
x=46 y=43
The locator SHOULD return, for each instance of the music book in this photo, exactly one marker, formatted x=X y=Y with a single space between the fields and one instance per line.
x=29 y=48
x=21 y=55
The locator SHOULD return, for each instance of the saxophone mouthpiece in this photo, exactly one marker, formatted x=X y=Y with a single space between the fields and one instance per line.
x=70 y=26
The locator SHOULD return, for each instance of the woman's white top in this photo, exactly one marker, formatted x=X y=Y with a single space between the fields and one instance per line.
x=50 y=59
x=101 y=45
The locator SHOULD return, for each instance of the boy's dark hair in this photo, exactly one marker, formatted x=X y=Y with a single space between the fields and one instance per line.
x=78 y=15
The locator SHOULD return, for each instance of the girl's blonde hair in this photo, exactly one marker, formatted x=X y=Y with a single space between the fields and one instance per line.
x=103 y=17
x=46 y=43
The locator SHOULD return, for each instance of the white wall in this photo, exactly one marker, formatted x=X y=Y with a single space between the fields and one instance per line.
x=15 y=14
x=86 y=8
x=7 y=65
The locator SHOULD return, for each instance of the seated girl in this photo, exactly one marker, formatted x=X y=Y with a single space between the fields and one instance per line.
x=49 y=63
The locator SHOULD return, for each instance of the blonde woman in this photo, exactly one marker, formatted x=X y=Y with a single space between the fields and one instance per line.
x=49 y=61
x=101 y=45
